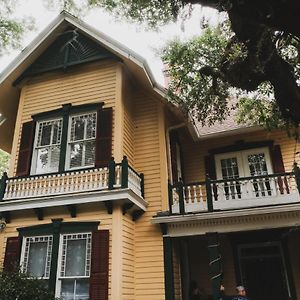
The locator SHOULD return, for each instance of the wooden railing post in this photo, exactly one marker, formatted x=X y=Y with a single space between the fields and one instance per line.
x=181 y=198
x=296 y=170
x=124 y=183
x=209 y=199
x=111 y=173
x=3 y=185
x=142 y=185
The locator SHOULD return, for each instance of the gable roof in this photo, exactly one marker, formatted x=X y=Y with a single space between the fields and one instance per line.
x=9 y=93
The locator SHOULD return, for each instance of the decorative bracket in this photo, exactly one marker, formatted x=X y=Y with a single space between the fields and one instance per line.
x=109 y=206
x=72 y=210
x=39 y=213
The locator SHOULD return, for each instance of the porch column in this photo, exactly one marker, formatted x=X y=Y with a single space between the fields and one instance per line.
x=168 y=266
x=215 y=264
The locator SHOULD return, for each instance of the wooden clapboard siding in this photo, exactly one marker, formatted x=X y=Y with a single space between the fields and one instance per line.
x=194 y=153
x=128 y=258
x=149 y=137
x=95 y=82
x=84 y=213
x=129 y=128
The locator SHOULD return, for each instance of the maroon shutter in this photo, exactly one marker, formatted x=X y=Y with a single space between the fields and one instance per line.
x=99 y=268
x=278 y=167
x=173 y=140
x=277 y=161
x=25 y=152
x=210 y=167
x=12 y=254
x=104 y=137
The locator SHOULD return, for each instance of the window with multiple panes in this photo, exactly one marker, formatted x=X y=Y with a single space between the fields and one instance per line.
x=80 y=260
x=47 y=146
x=76 y=137
x=81 y=141
x=36 y=256
x=74 y=266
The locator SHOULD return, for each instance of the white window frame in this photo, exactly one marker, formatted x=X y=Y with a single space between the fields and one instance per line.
x=242 y=160
x=26 y=249
x=33 y=170
x=69 y=142
x=59 y=276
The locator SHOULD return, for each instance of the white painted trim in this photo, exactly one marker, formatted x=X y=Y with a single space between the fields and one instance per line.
x=75 y=198
x=230 y=214
x=235 y=224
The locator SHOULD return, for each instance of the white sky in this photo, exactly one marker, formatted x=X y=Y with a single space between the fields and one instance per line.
x=134 y=37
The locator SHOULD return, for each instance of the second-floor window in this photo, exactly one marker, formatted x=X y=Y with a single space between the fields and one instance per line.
x=69 y=138
x=81 y=141
x=47 y=146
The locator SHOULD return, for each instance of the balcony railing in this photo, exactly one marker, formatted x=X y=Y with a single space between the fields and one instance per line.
x=112 y=176
x=212 y=195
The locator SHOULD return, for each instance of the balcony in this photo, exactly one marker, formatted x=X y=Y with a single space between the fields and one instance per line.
x=114 y=182
x=239 y=193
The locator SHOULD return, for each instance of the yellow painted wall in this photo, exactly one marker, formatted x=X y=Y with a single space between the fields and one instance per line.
x=149 y=158
x=194 y=153
x=92 y=83
x=86 y=212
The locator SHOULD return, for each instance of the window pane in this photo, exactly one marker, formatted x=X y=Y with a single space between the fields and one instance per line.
x=67 y=289
x=229 y=168
x=257 y=164
x=37 y=259
x=76 y=258
x=89 y=153
x=82 y=289
x=45 y=135
x=37 y=256
x=91 y=126
x=76 y=155
x=77 y=130
x=75 y=289
x=47 y=159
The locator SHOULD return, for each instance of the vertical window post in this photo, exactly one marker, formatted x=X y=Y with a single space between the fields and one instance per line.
x=181 y=198
x=64 y=137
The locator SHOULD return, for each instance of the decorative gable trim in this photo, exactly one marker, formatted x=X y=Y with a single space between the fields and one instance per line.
x=70 y=48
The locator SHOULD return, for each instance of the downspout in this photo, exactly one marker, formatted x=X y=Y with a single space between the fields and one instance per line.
x=168 y=147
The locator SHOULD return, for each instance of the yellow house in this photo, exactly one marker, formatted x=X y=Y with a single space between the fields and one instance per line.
x=113 y=194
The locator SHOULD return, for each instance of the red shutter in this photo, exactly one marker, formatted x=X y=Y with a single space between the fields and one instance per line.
x=278 y=167
x=99 y=268
x=12 y=254
x=173 y=141
x=210 y=167
x=25 y=152
x=277 y=161
x=104 y=137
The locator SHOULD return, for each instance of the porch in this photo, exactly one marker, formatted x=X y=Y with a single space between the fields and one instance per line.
x=114 y=182
x=231 y=194
x=262 y=260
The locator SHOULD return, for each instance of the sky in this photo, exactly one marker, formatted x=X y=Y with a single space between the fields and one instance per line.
x=145 y=42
